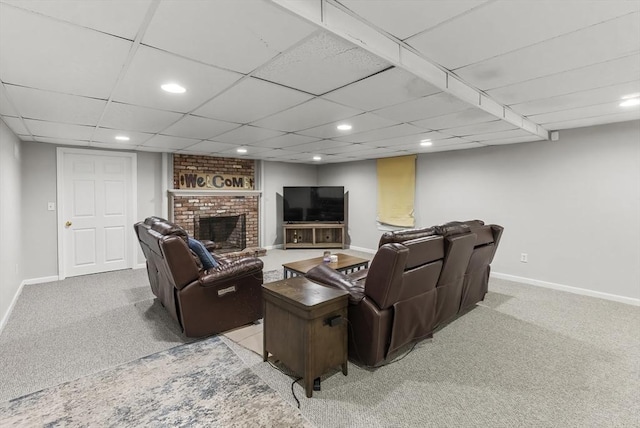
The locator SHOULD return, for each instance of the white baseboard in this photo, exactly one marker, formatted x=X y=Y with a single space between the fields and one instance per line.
x=364 y=250
x=274 y=247
x=6 y=316
x=40 y=280
x=140 y=266
x=567 y=288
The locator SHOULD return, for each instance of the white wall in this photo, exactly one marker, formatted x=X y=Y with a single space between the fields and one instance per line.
x=276 y=175
x=10 y=221
x=39 y=187
x=572 y=205
x=360 y=186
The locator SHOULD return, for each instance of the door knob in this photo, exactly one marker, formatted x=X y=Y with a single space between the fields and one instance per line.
x=67 y=224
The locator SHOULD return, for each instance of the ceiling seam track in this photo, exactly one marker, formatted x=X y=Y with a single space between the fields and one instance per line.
x=338 y=20
x=123 y=71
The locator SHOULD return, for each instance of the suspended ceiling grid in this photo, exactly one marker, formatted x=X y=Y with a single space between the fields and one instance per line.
x=275 y=78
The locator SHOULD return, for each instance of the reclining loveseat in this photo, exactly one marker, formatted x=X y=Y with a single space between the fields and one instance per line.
x=203 y=300
x=418 y=280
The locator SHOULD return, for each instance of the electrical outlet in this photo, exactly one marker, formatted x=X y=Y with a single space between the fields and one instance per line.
x=524 y=257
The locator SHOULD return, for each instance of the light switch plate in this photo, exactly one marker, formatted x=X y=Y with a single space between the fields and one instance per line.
x=51 y=206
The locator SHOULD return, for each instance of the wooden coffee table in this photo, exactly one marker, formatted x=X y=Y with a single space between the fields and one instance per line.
x=345 y=263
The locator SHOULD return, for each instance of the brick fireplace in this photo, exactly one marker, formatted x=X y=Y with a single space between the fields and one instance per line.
x=197 y=205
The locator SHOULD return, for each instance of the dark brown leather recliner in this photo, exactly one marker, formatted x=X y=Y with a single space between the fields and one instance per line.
x=462 y=250
x=395 y=303
x=203 y=302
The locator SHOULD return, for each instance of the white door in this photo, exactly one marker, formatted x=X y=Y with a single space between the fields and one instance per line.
x=96 y=197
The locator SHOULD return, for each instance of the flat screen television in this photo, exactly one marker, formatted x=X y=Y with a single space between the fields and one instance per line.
x=313 y=203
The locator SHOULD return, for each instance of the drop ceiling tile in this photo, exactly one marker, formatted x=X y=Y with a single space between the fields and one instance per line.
x=577 y=99
x=382 y=133
x=285 y=140
x=510 y=25
x=277 y=154
x=59 y=130
x=135 y=118
x=209 y=147
x=77 y=60
x=607 y=73
x=500 y=135
x=423 y=108
x=436 y=144
x=247 y=134
x=582 y=113
x=169 y=143
x=251 y=151
x=327 y=158
x=308 y=115
x=251 y=99
x=406 y=18
x=322 y=63
x=315 y=147
x=108 y=136
x=16 y=125
x=460 y=118
x=120 y=17
x=151 y=68
x=345 y=149
x=414 y=139
x=360 y=123
x=62 y=141
x=372 y=152
x=384 y=89
x=237 y=35
x=480 y=128
x=598 y=43
x=115 y=145
x=199 y=127
x=6 y=106
x=56 y=107
x=593 y=121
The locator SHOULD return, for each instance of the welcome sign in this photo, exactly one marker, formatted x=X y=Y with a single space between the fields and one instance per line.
x=196 y=180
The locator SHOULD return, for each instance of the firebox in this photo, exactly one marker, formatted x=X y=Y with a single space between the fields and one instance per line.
x=228 y=232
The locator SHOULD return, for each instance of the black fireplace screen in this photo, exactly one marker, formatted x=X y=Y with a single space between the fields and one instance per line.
x=228 y=232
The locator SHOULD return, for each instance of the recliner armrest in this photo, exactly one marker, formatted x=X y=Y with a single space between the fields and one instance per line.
x=230 y=271
x=324 y=275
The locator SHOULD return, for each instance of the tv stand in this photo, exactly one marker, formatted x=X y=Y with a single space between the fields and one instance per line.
x=313 y=235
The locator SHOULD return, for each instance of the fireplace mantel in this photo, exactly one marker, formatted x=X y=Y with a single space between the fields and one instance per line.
x=204 y=192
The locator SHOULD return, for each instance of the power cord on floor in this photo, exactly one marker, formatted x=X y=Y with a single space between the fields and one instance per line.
x=291 y=376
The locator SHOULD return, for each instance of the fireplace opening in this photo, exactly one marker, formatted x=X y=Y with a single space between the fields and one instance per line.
x=228 y=232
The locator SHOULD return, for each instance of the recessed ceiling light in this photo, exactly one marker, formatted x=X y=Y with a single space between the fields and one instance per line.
x=317 y=158
x=630 y=102
x=344 y=127
x=174 y=88
x=122 y=138
x=425 y=143
x=241 y=150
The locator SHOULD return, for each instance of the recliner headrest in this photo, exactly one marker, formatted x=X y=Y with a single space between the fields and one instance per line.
x=169 y=229
x=399 y=236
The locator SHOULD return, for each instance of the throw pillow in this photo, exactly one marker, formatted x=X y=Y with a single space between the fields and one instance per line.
x=205 y=257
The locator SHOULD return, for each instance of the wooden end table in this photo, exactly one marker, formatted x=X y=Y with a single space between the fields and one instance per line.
x=345 y=263
x=305 y=327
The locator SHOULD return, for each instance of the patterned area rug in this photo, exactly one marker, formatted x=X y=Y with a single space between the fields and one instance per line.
x=198 y=384
x=272 y=275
